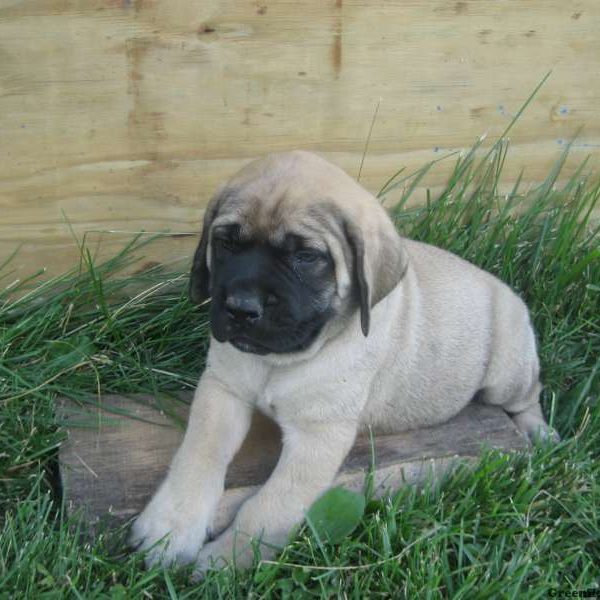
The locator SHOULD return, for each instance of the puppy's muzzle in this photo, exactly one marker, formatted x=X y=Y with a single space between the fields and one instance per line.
x=244 y=307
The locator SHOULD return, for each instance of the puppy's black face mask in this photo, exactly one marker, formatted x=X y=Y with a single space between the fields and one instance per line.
x=266 y=298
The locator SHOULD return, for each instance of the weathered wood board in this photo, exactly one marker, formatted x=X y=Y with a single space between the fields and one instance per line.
x=124 y=115
x=111 y=464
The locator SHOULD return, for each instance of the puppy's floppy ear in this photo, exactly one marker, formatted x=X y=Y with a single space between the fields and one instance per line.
x=379 y=259
x=199 y=288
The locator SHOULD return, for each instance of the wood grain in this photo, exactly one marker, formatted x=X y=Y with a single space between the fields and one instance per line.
x=111 y=464
x=124 y=115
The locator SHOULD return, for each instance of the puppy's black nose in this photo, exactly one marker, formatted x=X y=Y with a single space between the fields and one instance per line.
x=244 y=307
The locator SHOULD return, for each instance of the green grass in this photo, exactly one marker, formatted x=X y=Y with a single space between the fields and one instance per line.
x=513 y=526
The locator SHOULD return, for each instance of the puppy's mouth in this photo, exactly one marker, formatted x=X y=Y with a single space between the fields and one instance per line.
x=275 y=340
x=247 y=345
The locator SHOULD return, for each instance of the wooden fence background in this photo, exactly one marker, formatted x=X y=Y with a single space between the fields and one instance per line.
x=123 y=115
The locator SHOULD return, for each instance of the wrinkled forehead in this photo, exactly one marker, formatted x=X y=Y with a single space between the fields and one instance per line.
x=276 y=213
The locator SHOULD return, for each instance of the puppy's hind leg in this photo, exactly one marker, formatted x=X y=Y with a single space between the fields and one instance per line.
x=524 y=409
x=512 y=378
x=531 y=421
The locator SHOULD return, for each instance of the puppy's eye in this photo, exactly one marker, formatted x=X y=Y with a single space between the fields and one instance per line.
x=307 y=256
x=228 y=244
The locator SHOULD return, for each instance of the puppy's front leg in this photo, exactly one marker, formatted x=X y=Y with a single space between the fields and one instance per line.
x=182 y=509
x=311 y=456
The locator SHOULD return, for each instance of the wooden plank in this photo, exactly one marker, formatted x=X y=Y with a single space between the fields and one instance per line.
x=111 y=464
x=125 y=115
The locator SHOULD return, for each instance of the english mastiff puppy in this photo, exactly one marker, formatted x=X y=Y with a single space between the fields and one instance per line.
x=329 y=322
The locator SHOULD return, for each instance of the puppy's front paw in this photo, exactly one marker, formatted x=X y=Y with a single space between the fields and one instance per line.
x=234 y=549
x=171 y=529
